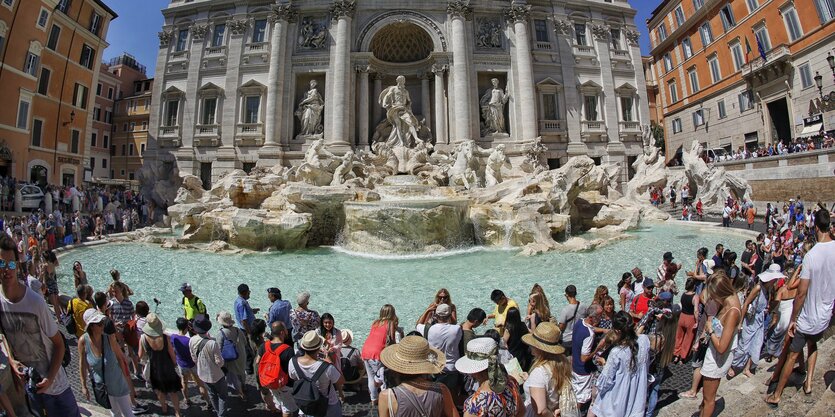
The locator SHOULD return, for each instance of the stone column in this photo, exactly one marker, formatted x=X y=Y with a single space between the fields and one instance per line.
x=440 y=104
x=342 y=12
x=425 y=95
x=378 y=89
x=281 y=15
x=518 y=14
x=460 y=11
x=363 y=107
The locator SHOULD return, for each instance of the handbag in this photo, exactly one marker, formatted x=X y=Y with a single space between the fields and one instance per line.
x=69 y=322
x=100 y=390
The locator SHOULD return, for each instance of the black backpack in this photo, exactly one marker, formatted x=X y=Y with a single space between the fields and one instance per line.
x=349 y=371
x=306 y=391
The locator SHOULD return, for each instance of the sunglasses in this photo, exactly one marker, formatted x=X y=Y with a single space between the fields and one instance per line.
x=11 y=265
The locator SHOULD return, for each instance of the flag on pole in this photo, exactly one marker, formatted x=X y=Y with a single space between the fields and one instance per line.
x=747 y=49
x=760 y=48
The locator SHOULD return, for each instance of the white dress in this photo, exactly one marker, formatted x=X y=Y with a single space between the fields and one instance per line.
x=716 y=365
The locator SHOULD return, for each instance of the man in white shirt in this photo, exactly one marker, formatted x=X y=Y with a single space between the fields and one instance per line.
x=812 y=309
x=206 y=355
x=726 y=216
x=445 y=337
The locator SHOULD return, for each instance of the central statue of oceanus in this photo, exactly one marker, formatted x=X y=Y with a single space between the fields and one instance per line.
x=398 y=105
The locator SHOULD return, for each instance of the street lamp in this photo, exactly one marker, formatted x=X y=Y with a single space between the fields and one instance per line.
x=819 y=83
x=831 y=60
x=72 y=118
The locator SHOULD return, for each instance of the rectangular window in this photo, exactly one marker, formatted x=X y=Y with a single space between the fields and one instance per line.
x=8 y=3
x=144 y=125
x=550 y=107
x=171 y=112
x=95 y=23
x=141 y=149
x=761 y=33
x=590 y=106
x=93 y=138
x=722 y=112
x=615 y=38
x=792 y=23
x=105 y=143
x=668 y=62
x=694 y=80
x=259 y=31
x=54 y=35
x=124 y=127
x=805 y=75
x=746 y=100
x=104 y=163
x=124 y=151
x=182 y=38
x=715 y=73
x=79 y=96
x=110 y=93
x=727 y=16
x=676 y=125
x=626 y=108
x=752 y=5
x=580 y=34
x=88 y=56
x=31 y=65
x=43 y=82
x=679 y=16
x=697 y=4
x=707 y=34
x=209 y=108
x=37 y=132
x=739 y=59
x=826 y=10
x=673 y=91
x=132 y=126
x=687 y=48
x=662 y=32
x=130 y=149
x=698 y=118
x=540 y=27
x=96 y=114
x=64 y=6
x=43 y=17
x=252 y=109
x=74 y=141
x=217 y=34
x=108 y=118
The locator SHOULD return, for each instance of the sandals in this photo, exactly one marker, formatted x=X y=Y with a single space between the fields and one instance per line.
x=771 y=404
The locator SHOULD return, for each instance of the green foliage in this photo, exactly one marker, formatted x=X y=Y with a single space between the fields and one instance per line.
x=658 y=134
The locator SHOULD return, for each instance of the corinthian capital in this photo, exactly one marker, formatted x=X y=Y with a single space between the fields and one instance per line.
x=460 y=8
x=165 y=37
x=198 y=31
x=286 y=12
x=343 y=8
x=238 y=26
x=518 y=12
x=632 y=36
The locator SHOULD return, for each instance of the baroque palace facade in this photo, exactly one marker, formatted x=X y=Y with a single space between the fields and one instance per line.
x=252 y=83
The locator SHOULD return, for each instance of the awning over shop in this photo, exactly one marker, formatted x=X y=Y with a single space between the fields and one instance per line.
x=810 y=130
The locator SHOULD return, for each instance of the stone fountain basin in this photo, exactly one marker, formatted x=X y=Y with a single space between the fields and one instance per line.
x=407 y=226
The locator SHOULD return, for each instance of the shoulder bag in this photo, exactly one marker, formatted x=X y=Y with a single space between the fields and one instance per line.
x=100 y=390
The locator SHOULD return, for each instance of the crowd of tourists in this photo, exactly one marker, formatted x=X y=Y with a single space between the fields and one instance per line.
x=605 y=355
x=774 y=149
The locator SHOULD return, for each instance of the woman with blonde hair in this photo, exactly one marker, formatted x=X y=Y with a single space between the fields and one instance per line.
x=384 y=332
x=599 y=294
x=538 y=289
x=721 y=334
x=548 y=385
x=441 y=297
x=538 y=311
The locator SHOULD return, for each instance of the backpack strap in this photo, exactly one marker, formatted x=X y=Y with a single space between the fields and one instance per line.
x=200 y=347
x=426 y=330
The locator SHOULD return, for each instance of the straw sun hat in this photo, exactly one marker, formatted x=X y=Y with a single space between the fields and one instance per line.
x=153 y=326
x=413 y=356
x=546 y=337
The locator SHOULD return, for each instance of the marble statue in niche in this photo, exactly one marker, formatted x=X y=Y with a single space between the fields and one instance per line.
x=492 y=109
x=310 y=111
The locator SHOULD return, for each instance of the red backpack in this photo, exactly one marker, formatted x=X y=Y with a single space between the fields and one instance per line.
x=270 y=373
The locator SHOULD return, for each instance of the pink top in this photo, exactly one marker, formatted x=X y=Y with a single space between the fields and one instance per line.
x=376 y=341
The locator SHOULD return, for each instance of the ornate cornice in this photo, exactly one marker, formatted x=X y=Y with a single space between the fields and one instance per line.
x=601 y=31
x=562 y=26
x=517 y=13
x=238 y=26
x=440 y=69
x=343 y=8
x=286 y=12
x=165 y=37
x=460 y=8
x=632 y=36
x=198 y=31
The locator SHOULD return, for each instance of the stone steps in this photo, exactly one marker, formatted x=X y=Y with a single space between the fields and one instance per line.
x=744 y=397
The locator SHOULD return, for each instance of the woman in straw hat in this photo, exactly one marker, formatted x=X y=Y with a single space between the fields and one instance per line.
x=548 y=385
x=497 y=394
x=100 y=355
x=412 y=361
x=164 y=378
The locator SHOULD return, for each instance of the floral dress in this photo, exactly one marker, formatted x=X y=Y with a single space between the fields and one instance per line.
x=486 y=403
x=303 y=321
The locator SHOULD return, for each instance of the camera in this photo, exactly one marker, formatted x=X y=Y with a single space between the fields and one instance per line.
x=33 y=378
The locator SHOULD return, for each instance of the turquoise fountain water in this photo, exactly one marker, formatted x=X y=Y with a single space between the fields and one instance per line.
x=353 y=288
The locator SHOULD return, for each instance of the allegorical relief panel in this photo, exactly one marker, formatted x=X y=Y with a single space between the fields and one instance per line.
x=488 y=33
x=313 y=33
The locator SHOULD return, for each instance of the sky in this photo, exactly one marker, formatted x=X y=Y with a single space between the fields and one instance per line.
x=135 y=30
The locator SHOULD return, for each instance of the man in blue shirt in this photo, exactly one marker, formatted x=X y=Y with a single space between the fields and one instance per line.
x=279 y=309
x=245 y=317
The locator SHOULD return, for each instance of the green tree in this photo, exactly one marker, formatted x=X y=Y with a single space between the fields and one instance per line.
x=658 y=134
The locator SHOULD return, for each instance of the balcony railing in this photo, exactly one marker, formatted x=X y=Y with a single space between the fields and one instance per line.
x=215 y=50
x=207 y=130
x=777 y=54
x=630 y=127
x=250 y=129
x=593 y=126
x=543 y=45
x=620 y=55
x=180 y=55
x=583 y=50
x=546 y=126
x=257 y=47
x=169 y=132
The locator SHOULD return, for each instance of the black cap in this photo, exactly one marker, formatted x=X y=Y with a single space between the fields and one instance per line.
x=274 y=291
x=668 y=256
x=202 y=324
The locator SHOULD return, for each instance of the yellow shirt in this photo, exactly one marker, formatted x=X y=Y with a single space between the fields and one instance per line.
x=500 y=317
x=78 y=307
